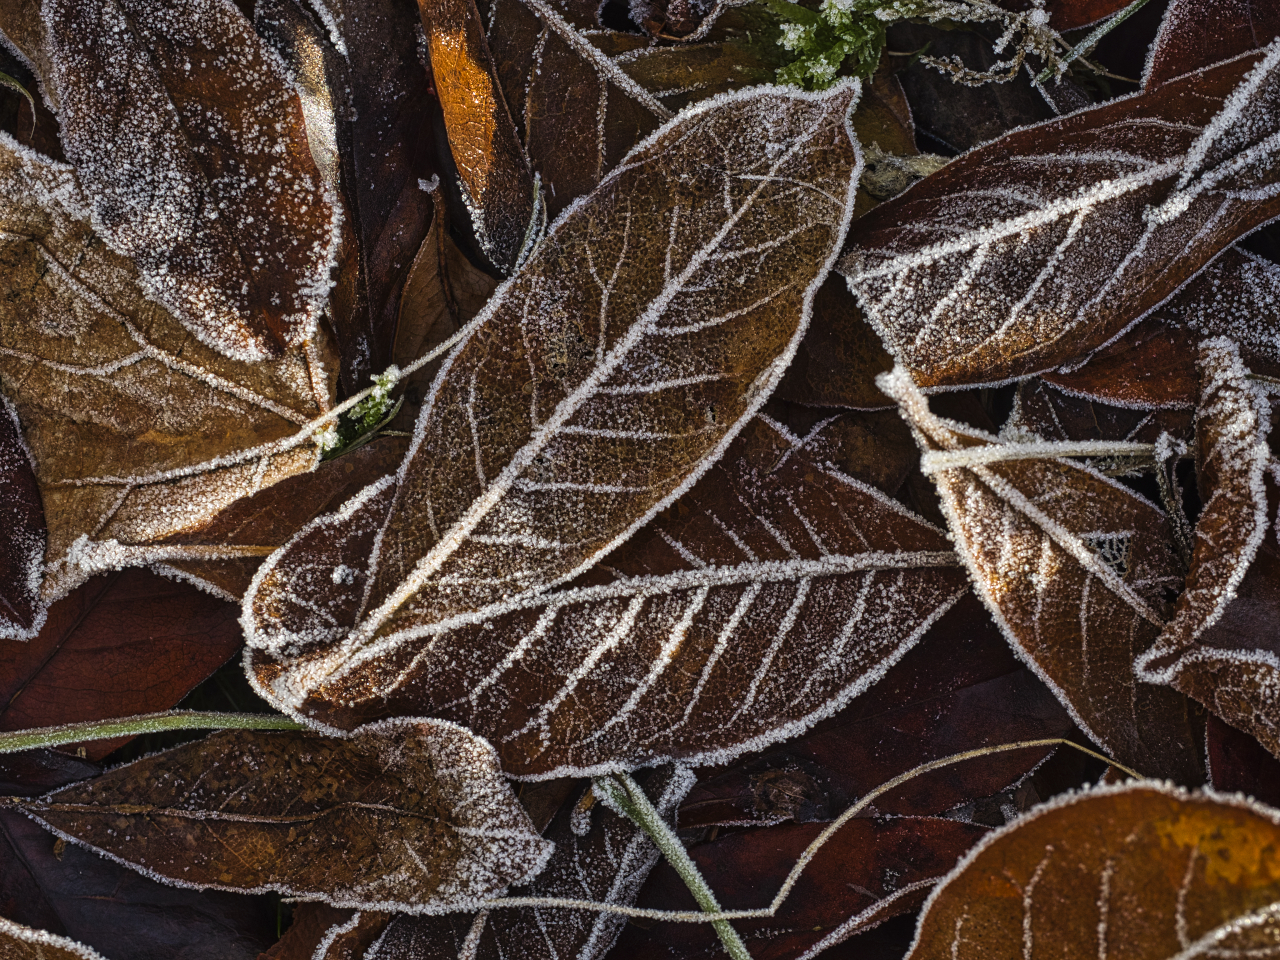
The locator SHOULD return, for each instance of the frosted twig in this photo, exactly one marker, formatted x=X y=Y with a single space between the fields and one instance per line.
x=1085 y=46
x=16 y=740
x=764 y=913
x=937 y=460
x=631 y=799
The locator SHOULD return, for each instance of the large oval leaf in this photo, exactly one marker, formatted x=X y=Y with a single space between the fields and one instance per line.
x=596 y=386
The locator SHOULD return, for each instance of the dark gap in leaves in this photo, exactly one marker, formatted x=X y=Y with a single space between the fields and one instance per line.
x=1265 y=242
x=616 y=15
x=1123 y=51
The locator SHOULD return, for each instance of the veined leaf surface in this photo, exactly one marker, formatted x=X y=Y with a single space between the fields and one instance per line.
x=771 y=594
x=22 y=533
x=407 y=815
x=1039 y=247
x=597 y=385
x=1074 y=568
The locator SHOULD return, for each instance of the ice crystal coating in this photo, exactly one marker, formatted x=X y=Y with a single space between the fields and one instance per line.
x=22 y=533
x=24 y=943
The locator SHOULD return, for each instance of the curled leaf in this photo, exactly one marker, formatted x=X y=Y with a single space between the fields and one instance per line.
x=1073 y=567
x=1143 y=871
x=596 y=386
x=22 y=533
x=409 y=815
x=188 y=139
x=1043 y=245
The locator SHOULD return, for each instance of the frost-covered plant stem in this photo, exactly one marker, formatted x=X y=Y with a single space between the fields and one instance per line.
x=631 y=799
x=13 y=741
x=1085 y=46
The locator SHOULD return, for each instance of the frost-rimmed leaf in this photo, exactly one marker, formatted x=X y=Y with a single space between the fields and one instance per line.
x=139 y=432
x=24 y=943
x=188 y=139
x=771 y=594
x=409 y=815
x=22 y=533
x=600 y=857
x=1198 y=33
x=1236 y=680
x=1073 y=567
x=1041 y=246
x=1144 y=871
x=596 y=386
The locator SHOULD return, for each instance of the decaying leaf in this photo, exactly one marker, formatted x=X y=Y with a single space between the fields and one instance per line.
x=322 y=932
x=1238 y=680
x=596 y=387
x=22 y=533
x=409 y=815
x=126 y=643
x=1074 y=568
x=600 y=857
x=188 y=139
x=139 y=432
x=1143 y=871
x=1041 y=246
x=1044 y=411
x=23 y=943
x=1199 y=33
x=771 y=594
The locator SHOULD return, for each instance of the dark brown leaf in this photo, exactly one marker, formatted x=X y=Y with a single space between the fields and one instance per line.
x=1040 y=247
x=601 y=857
x=1045 y=412
x=25 y=943
x=1140 y=871
x=1240 y=764
x=596 y=387
x=188 y=139
x=409 y=815
x=1152 y=367
x=1198 y=33
x=1238 y=681
x=22 y=533
x=762 y=601
x=125 y=643
x=1074 y=568
x=322 y=932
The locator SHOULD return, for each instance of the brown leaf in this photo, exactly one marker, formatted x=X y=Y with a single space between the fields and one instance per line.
x=1197 y=33
x=494 y=175
x=408 y=815
x=322 y=932
x=583 y=95
x=764 y=600
x=24 y=943
x=1045 y=412
x=601 y=857
x=1237 y=681
x=868 y=872
x=1237 y=763
x=124 y=643
x=188 y=140
x=139 y=432
x=1074 y=568
x=22 y=533
x=379 y=95
x=582 y=401
x=1152 y=367
x=1140 y=871
x=1043 y=245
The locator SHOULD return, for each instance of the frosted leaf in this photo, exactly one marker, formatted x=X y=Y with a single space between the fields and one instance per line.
x=1043 y=245
x=1198 y=33
x=1236 y=681
x=596 y=386
x=24 y=943
x=409 y=815
x=22 y=534
x=1238 y=295
x=771 y=594
x=138 y=431
x=1144 y=871
x=189 y=142
x=1045 y=540
x=606 y=864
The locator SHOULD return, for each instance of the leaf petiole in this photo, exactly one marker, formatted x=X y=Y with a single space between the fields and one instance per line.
x=16 y=740
x=627 y=795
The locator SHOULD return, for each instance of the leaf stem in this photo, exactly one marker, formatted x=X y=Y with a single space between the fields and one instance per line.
x=1085 y=46
x=15 y=740
x=631 y=799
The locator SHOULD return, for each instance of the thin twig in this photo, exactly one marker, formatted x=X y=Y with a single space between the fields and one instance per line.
x=1085 y=46
x=15 y=740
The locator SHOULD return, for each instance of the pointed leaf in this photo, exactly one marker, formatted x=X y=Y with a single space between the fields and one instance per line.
x=596 y=386
x=189 y=142
x=1074 y=568
x=1043 y=245
x=24 y=943
x=1143 y=871
x=601 y=857
x=410 y=815
x=138 y=431
x=1198 y=33
x=322 y=932
x=1236 y=681
x=778 y=590
x=22 y=533
x=1043 y=411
